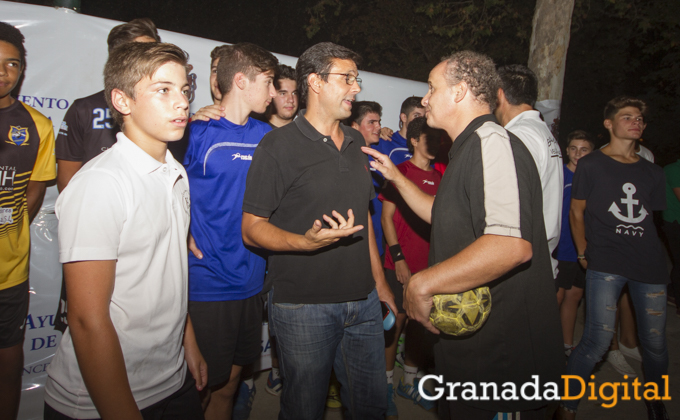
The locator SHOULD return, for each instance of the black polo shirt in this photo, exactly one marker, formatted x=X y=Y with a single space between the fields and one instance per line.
x=492 y=186
x=297 y=175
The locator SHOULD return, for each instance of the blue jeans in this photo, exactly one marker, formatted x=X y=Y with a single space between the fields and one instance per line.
x=312 y=339
x=602 y=294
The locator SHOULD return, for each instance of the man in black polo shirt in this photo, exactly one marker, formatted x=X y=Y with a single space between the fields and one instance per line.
x=487 y=229
x=307 y=196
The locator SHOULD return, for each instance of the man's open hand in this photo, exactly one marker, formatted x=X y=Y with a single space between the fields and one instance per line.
x=319 y=237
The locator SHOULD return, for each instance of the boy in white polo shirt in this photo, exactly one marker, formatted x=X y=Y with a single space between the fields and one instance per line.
x=123 y=222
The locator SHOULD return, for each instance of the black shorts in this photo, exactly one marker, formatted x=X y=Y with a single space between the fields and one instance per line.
x=184 y=404
x=228 y=333
x=397 y=289
x=13 y=311
x=570 y=274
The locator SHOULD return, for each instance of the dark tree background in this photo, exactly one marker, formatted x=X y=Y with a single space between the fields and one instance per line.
x=617 y=46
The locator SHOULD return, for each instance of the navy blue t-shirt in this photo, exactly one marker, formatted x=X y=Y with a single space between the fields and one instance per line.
x=620 y=231
x=217 y=161
x=566 y=250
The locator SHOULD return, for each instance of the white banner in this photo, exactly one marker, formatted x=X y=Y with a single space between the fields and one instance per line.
x=66 y=53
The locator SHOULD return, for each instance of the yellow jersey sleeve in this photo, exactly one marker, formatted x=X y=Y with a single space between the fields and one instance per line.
x=45 y=168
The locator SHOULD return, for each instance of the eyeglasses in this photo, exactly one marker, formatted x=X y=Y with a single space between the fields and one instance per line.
x=349 y=78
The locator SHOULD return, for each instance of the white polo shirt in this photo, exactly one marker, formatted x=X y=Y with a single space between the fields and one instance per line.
x=124 y=205
x=545 y=150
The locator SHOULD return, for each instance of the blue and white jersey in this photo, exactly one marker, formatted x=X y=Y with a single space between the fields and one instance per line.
x=217 y=162
x=396 y=150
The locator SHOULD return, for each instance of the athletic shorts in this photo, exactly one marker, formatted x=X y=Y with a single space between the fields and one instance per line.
x=13 y=311
x=228 y=333
x=570 y=274
x=397 y=289
x=184 y=404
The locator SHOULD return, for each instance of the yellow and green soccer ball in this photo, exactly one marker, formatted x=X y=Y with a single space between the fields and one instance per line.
x=461 y=313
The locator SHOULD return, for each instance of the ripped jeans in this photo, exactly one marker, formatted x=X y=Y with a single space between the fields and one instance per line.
x=602 y=295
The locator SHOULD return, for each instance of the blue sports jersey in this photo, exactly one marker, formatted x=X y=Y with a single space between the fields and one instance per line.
x=566 y=251
x=396 y=150
x=217 y=161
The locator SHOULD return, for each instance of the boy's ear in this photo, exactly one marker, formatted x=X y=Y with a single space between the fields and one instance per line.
x=355 y=125
x=241 y=80
x=121 y=101
x=608 y=124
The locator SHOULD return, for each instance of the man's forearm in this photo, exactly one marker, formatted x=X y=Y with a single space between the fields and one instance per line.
x=485 y=260
x=419 y=201
x=259 y=232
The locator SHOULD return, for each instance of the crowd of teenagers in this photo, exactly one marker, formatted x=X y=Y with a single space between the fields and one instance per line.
x=179 y=237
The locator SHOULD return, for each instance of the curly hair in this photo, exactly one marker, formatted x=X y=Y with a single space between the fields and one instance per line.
x=12 y=35
x=478 y=71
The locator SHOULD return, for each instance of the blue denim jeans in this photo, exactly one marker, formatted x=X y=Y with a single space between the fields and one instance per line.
x=312 y=339
x=602 y=294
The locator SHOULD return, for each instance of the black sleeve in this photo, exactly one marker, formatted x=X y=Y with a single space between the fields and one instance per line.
x=264 y=184
x=69 y=143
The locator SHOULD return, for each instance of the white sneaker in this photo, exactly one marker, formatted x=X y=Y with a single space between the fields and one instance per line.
x=618 y=362
x=633 y=353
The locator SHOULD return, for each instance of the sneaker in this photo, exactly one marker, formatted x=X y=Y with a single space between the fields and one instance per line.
x=633 y=353
x=392 y=413
x=333 y=402
x=410 y=392
x=656 y=410
x=244 y=402
x=618 y=362
x=399 y=361
x=274 y=386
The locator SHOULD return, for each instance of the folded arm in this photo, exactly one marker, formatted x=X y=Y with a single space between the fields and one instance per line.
x=486 y=259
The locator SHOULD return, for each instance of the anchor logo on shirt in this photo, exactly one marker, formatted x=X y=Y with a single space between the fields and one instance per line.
x=629 y=189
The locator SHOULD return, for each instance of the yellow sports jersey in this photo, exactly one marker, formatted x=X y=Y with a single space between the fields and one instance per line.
x=26 y=154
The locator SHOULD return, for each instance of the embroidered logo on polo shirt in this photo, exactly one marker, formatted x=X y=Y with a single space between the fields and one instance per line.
x=425 y=181
x=18 y=136
x=186 y=200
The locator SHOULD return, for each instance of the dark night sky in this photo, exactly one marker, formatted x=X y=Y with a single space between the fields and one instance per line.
x=604 y=60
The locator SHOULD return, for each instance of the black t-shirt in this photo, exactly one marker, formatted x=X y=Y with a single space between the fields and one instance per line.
x=492 y=187
x=297 y=175
x=620 y=231
x=87 y=129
